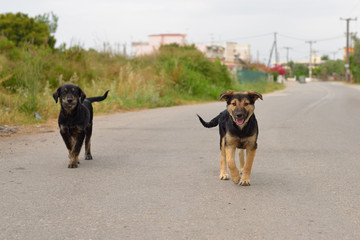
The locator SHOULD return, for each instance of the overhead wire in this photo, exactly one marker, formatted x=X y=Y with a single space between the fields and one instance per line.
x=288 y=37
x=354 y=8
x=318 y=40
x=250 y=37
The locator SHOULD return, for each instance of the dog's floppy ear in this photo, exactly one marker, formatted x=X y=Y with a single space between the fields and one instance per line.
x=82 y=95
x=254 y=95
x=226 y=95
x=57 y=94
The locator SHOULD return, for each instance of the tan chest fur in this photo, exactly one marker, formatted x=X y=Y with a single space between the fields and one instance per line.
x=242 y=143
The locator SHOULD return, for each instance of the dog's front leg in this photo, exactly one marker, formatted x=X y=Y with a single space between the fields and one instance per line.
x=245 y=178
x=230 y=159
x=241 y=160
x=74 y=159
x=65 y=134
x=223 y=173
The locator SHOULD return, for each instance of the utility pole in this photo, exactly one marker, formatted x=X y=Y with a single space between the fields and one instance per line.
x=274 y=47
x=310 y=63
x=276 y=51
x=287 y=59
x=347 y=65
x=334 y=54
x=287 y=54
x=124 y=49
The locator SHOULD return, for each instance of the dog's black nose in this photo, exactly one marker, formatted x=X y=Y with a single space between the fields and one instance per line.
x=69 y=100
x=239 y=115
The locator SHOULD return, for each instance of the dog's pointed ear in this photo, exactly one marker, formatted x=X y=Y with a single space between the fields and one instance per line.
x=226 y=95
x=56 y=94
x=82 y=95
x=255 y=95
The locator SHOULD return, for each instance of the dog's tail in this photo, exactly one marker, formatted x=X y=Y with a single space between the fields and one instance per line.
x=98 y=99
x=213 y=123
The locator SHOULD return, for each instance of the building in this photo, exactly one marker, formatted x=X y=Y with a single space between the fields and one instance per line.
x=315 y=61
x=233 y=55
x=157 y=40
x=212 y=51
x=236 y=50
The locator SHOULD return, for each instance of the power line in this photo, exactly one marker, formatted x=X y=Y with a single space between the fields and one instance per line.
x=294 y=38
x=329 y=39
x=318 y=40
x=354 y=7
x=250 y=37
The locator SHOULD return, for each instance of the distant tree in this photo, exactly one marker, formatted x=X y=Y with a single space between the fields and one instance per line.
x=355 y=61
x=325 y=58
x=300 y=69
x=50 y=19
x=19 y=28
x=331 y=68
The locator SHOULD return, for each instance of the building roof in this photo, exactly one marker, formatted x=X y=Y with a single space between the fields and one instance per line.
x=168 y=35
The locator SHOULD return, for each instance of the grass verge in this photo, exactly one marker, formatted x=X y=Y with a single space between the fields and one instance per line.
x=172 y=76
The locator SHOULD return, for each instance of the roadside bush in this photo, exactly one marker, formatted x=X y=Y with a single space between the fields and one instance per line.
x=190 y=72
x=5 y=44
x=171 y=76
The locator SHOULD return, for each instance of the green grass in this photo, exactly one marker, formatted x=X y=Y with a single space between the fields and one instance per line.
x=172 y=76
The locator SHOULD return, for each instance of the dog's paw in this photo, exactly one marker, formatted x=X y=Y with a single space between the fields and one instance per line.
x=245 y=182
x=236 y=179
x=72 y=165
x=88 y=157
x=223 y=176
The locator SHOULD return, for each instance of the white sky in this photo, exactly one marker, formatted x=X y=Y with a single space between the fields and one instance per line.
x=91 y=23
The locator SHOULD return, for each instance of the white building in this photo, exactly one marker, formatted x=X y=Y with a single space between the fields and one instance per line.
x=157 y=40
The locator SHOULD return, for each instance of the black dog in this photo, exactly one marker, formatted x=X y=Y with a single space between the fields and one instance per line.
x=75 y=120
x=238 y=129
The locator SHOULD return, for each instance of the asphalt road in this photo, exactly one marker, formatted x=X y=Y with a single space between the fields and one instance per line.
x=155 y=175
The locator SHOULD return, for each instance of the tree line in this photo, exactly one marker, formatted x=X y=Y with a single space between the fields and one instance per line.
x=17 y=29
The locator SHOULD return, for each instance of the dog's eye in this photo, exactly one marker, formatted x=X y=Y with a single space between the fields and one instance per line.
x=234 y=104
x=245 y=104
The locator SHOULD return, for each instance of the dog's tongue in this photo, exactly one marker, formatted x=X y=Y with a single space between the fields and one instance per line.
x=239 y=121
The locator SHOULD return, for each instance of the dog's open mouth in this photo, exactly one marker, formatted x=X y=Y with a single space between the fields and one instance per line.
x=239 y=121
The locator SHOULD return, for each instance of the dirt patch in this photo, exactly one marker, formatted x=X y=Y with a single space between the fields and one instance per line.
x=10 y=131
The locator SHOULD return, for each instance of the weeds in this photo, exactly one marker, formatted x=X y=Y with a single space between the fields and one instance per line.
x=172 y=76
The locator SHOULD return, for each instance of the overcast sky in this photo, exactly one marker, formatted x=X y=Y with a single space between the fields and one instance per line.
x=91 y=23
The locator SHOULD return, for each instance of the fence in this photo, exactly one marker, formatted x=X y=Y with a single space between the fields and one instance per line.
x=251 y=76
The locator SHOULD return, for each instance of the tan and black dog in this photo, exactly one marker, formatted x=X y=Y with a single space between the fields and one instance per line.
x=238 y=129
x=76 y=120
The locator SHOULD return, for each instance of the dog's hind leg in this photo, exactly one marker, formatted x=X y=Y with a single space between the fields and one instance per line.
x=241 y=159
x=230 y=159
x=245 y=178
x=223 y=173
x=88 y=143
